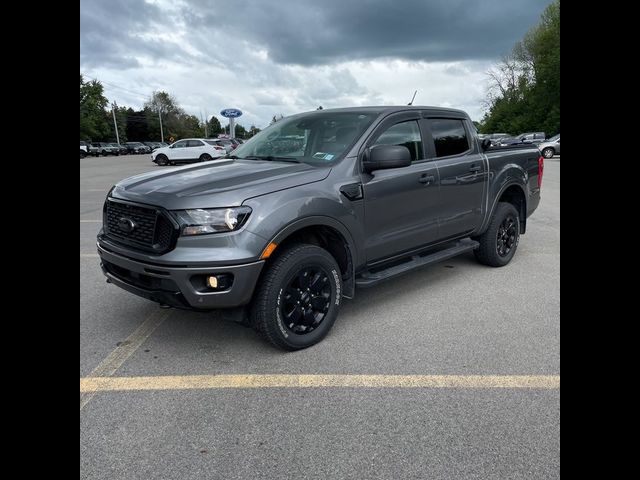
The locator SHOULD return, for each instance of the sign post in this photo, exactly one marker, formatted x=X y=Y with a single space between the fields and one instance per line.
x=231 y=114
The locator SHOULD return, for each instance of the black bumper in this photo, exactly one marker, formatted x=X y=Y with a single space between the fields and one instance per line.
x=180 y=287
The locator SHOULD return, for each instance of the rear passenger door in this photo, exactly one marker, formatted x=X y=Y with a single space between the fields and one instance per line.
x=401 y=204
x=195 y=148
x=463 y=174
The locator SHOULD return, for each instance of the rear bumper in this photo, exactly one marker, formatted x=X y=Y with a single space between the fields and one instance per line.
x=180 y=287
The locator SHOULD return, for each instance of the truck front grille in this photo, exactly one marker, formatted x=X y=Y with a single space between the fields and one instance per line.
x=144 y=227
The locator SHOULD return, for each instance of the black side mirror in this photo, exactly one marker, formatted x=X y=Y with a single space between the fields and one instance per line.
x=387 y=156
x=485 y=144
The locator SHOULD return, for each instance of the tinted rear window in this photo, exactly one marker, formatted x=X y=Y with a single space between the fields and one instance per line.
x=449 y=136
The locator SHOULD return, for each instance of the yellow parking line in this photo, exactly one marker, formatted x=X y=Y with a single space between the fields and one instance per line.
x=203 y=382
x=117 y=357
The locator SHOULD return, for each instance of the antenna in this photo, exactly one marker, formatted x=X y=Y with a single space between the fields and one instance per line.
x=413 y=98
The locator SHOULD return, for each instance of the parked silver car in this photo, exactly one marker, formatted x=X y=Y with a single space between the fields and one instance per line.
x=550 y=147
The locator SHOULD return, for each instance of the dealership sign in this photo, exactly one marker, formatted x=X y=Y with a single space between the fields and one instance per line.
x=231 y=113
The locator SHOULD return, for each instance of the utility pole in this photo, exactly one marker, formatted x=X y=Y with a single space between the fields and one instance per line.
x=161 y=132
x=115 y=124
x=206 y=124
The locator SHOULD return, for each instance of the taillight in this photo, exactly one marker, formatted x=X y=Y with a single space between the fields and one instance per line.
x=540 y=170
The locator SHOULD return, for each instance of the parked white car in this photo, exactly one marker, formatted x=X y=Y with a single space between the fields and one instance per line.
x=189 y=150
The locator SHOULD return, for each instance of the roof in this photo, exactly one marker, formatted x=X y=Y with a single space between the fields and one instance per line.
x=389 y=109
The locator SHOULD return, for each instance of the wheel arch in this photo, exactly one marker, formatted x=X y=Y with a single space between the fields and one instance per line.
x=326 y=233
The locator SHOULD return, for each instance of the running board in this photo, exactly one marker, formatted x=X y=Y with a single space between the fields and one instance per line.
x=369 y=279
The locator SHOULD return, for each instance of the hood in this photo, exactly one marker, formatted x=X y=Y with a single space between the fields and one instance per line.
x=219 y=183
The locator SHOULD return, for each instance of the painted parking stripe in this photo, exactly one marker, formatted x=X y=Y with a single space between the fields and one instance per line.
x=117 y=357
x=204 y=382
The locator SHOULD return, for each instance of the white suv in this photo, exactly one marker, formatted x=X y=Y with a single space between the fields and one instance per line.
x=189 y=150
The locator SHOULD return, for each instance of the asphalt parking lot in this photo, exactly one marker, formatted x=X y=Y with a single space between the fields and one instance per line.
x=457 y=319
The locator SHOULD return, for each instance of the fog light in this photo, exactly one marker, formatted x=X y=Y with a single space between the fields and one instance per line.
x=212 y=282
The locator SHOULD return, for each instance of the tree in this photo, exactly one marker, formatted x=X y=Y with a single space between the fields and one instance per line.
x=93 y=104
x=137 y=126
x=524 y=93
x=253 y=130
x=241 y=131
x=213 y=126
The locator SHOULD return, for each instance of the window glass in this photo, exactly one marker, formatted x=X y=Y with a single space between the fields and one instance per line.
x=406 y=134
x=194 y=143
x=449 y=136
x=180 y=144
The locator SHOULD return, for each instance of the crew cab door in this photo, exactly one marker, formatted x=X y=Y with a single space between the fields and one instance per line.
x=401 y=204
x=463 y=174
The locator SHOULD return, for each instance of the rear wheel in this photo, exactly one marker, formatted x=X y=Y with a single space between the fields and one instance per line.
x=548 y=152
x=83 y=154
x=298 y=298
x=205 y=157
x=162 y=159
x=499 y=243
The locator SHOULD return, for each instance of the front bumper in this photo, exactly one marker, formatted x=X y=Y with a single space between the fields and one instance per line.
x=180 y=287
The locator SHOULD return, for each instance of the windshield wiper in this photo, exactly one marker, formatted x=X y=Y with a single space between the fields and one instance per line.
x=272 y=158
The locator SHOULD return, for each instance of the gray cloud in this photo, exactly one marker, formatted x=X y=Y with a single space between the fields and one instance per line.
x=285 y=56
x=307 y=32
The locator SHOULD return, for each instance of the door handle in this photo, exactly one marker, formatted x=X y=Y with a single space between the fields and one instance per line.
x=427 y=179
x=475 y=168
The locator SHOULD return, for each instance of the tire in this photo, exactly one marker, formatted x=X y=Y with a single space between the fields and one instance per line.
x=162 y=159
x=282 y=289
x=83 y=154
x=104 y=153
x=205 y=157
x=548 y=152
x=499 y=242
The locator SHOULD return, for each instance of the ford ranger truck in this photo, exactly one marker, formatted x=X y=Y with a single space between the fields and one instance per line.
x=313 y=207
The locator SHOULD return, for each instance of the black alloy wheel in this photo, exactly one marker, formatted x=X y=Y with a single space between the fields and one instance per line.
x=306 y=300
x=506 y=238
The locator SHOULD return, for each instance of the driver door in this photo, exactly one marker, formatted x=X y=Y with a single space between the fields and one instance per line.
x=401 y=204
x=179 y=151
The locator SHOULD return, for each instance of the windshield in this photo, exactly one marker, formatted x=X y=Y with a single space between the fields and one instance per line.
x=554 y=138
x=316 y=138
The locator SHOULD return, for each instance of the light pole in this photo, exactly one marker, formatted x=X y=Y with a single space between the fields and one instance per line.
x=160 y=117
x=115 y=124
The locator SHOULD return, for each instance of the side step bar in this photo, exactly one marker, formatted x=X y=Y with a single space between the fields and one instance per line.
x=369 y=279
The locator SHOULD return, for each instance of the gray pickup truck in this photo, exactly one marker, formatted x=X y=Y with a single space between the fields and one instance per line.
x=314 y=206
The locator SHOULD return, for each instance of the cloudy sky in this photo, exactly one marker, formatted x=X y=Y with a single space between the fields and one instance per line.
x=269 y=57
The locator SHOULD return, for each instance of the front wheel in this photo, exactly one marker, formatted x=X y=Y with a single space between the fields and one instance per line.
x=548 y=152
x=162 y=159
x=298 y=298
x=499 y=243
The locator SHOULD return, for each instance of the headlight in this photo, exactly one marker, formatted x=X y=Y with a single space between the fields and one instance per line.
x=216 y=220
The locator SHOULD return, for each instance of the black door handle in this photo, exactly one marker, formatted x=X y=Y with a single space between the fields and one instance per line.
x=427 y=179
x=475 y=168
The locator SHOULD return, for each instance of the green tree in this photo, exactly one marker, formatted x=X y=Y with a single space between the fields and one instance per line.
x=137 y=128
x=525 y=87
x=93 y=104
x=213 y=126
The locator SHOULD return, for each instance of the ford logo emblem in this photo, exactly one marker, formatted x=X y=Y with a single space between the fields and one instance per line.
x=126 y=224
x=231 y=113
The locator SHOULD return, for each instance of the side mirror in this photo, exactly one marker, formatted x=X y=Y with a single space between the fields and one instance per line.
x=387 y=156
x=485 y=144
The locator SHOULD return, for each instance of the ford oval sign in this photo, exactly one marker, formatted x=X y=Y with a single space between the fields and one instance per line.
x=231 y=113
